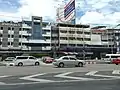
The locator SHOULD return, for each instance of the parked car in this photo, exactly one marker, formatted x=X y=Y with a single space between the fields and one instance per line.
x=47 y=59
x=9 y=59
x=116 y=61
x=68 y=60
x=24 y=60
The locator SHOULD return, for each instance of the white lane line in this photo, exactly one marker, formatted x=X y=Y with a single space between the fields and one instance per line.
x=116 y=72
x=63 y=75
x=91 y=73
x=107 y=76
x=36 y=79
x=2 y=83
x=5 y=76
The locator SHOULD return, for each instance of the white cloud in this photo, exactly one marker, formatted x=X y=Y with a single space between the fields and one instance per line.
x=99 y=18
x=91 y=17
x=28 y=8
x=47 y=9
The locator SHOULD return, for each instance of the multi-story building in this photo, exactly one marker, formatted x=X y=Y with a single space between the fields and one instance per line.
x=26 y=36
x=40 y=39
x=12 y=36
x=81 y=39
x=38 y=36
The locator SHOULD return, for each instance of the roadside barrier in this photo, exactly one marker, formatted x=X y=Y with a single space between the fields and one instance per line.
x=90 y=62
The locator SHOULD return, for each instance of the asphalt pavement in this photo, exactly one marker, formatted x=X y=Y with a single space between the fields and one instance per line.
x=89 y=85
x=24 y=70
x=49 y=77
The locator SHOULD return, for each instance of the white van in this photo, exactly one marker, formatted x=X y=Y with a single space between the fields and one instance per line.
x=109 y=57
x=26 y=60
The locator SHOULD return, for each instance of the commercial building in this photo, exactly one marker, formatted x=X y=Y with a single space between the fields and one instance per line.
x=36 y=36
x=40 y=39
x=26 y=36
x=11 y=36
x=81 y=39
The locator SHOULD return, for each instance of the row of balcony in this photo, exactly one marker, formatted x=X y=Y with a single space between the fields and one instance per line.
x=85 y=42
x=12 y=47
x=75 y=35
x=75 y=29
x=22 y=48
x=25 y=33
x=47 y=34
x=25 y=40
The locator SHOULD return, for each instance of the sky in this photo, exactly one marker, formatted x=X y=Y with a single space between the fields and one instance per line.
x=87 y=11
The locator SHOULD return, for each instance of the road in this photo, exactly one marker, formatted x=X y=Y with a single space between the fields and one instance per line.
x=49 y=68
x=94 y=85
x=44 y=77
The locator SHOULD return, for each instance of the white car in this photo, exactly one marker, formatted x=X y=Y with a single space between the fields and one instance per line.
x=9 y=59
x=26 y=60
x=68 y=60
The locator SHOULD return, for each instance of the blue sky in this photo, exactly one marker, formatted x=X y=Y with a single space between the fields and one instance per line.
x=9 y=5
x=87 y=11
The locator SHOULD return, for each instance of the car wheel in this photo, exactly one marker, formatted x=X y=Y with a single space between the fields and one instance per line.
x=61 y=65
x=80 y=64
x=20 y=64
x=37 y=63
x=116 y=63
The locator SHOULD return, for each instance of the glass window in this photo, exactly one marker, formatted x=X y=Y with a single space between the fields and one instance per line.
x=1 y=28
x=9 y=28
x=20 y=29
x=22 y=57
x=65 y=58
x=115 y=56
x=71 y=58
x=31 y=57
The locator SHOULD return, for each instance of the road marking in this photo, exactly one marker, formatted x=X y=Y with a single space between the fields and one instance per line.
x=2 y=83
x=106 y=76
x=91 y=73
x=36 y=79
x=5 y=76
x=116 y=72
x=63 y=75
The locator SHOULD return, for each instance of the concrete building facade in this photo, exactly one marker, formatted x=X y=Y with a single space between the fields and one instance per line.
x=82 y=39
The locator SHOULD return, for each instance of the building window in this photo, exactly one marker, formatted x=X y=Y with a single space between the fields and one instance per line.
x=9 y=43
x=79 y=32
x=81 y=39
x=72 y=32
x=20 y=36
x=12 y=28
x=47 y=37
x=86 y=32
x=71 y=38
x=87 y=39
x=9 y=28
x=20 y=29
x=63 y=31
x=12 y=36
x=1 y=28
x=63 y=38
